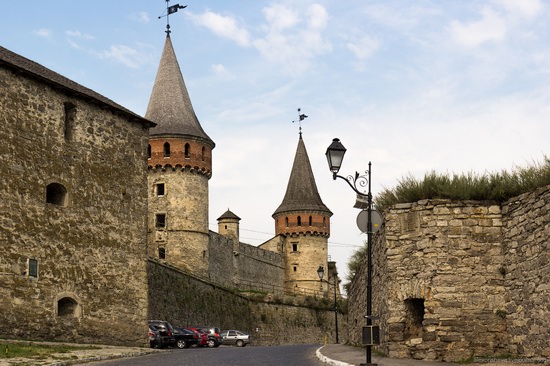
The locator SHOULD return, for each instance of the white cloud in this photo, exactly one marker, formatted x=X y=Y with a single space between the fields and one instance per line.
x=224 y=26
x=44 y=32
x=78 y=34
x=524 y=8
x=491 y=28
x=364 y=47
x=142 y=17
x=280 y=17
x=131 y=57
x=222 y=72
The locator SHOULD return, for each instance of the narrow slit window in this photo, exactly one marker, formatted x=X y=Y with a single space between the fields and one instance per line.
x=203 y=153
x=162 y=253
x=33 y=267
x=310 y=221
x=69 y=119
x=286 y=221
x=187 y=150
x=299 y=221
x=294 y=247
x=160 y=221
x=160 y=189
x=166 y=150
x=149 y=151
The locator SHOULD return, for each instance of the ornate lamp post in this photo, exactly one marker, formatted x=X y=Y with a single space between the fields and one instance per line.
x=335 y=156
x=321 y=272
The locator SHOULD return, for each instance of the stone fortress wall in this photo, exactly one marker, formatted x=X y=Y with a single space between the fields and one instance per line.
x=73 y=208
x=453 y=280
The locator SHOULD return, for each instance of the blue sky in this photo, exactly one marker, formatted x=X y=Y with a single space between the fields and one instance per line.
x=413 y=86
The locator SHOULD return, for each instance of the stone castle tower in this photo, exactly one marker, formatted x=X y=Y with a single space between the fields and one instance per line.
x=304 y=221
x=180 y=165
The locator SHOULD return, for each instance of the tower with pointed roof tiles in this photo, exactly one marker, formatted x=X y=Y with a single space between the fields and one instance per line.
x=180 y=165
x=304 y=221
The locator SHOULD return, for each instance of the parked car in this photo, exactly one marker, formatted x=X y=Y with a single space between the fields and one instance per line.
x=154 y=337
x=165 y=333
x=202 y=337
x=186 y=338
x=235 y=337
x=214 y=337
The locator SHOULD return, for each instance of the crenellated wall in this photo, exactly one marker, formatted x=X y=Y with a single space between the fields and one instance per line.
x=454 y=280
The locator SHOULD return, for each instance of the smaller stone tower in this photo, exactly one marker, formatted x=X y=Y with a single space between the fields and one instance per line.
x=228 y=225
x=304 y=221
x=180 y=165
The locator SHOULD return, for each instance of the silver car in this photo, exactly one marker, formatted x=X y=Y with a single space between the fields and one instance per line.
x=235 y=337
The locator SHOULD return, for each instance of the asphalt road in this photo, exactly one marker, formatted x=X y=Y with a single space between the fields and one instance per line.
x=296 y=355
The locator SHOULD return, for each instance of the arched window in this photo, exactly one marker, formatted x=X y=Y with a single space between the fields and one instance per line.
x=149 y=151
x=299 y=221
x=166 y=150
x=67 y=307
x=187 y=150
x=310 y=221
x=56 y=194
x=203 y=153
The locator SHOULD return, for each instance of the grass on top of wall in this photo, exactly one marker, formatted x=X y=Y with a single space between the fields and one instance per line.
x=498 y=186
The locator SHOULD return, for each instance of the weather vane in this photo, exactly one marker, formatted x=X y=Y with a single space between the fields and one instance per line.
x=171 y=10
x=301 y=117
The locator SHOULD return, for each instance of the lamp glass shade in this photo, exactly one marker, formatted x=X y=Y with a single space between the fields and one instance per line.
x=321 y=272
x=335 y=155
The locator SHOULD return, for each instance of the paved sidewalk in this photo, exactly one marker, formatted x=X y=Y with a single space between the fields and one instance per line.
x=342 y=355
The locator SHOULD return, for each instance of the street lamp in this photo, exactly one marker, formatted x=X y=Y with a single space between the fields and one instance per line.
x=335 y=156
x=321 y=272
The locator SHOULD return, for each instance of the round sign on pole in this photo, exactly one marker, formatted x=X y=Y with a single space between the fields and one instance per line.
x=363 y=218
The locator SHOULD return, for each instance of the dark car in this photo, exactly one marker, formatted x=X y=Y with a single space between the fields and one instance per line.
x=165 y=333
x=214 y=337
x=235 y=337
x=154 y=337
x=186 y=338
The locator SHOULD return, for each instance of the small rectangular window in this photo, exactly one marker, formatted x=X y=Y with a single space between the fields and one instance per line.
x=160 y=189
x=162 y=253
x=33 y=267
x=160 y=220
x=294 y=247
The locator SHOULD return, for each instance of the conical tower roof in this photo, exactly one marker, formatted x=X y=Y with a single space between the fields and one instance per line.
x=170 y=106
x=301 y=192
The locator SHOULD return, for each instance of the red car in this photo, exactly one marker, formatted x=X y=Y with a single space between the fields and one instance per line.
x=203 y=341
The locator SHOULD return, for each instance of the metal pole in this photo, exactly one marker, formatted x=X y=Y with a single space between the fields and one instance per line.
x=335 y=308
x=369 y=263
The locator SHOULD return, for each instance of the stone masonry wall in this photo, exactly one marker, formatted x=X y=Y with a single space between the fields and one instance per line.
x=91 y=275
x=526 y=233
x=185 y=300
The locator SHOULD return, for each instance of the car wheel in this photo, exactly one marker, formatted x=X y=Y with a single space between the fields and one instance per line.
x=181 y=343
x=240 y=343
x=211 y=343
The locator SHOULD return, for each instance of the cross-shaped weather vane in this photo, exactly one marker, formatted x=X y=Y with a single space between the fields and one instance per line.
x=170 y=10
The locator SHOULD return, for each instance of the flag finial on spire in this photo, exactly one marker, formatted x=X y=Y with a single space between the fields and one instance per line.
x=170 y=10
x=301 y=117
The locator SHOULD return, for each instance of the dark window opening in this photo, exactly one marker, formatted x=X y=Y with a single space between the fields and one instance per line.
x=310 y=221
x=66 y=307
x=324 y=222
x=294 y=247
x=225 y=227
x=286 y=221
x=187 y=150
x=203 y=153
x=149 y=151
x=160 y=189
x=33 y=267
x=56 y=194
x=299 y=221
x=162 y=253
x=414 y=316
x=70 y=115
x=295 y=268
x=166 y=150
x=160 y=220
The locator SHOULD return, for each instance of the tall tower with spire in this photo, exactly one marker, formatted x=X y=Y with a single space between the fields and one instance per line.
x=180 y=165
x=304 y=220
